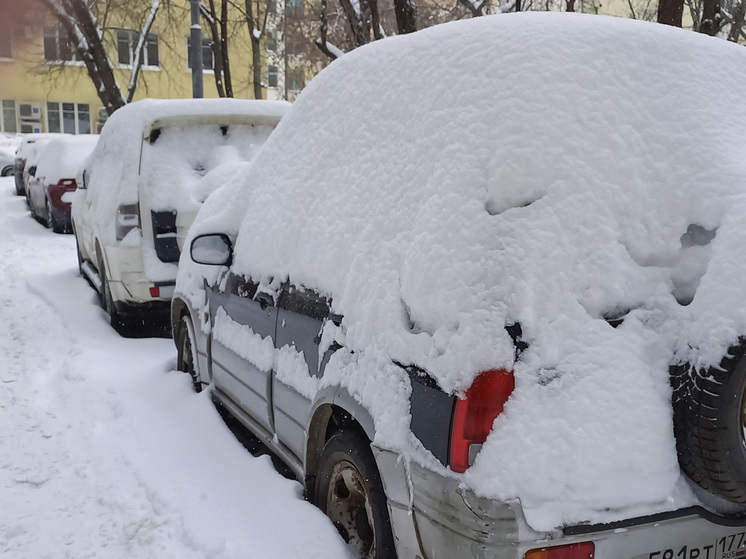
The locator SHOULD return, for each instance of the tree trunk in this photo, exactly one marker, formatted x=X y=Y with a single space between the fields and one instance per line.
x=670 y=12
x=78 y=22
x=711 y=18
x=227 y=80
x=406 y=16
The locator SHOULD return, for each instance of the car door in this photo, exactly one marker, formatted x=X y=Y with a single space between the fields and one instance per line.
x=242 y=346
x=81 y=213
x=301 y=316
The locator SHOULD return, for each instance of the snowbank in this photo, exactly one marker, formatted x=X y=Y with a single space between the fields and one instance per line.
x=552 y=170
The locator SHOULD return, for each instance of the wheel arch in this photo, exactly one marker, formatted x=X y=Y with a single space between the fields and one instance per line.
x=335 y=409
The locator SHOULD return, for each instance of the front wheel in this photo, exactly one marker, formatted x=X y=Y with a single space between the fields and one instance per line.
x=349 y=491
x=186 y=351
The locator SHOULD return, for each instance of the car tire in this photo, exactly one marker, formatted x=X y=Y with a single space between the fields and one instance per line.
x=52 y=221
x=349 y=491
x=80 y=256
x=185 y=351
x=709 y=423
x=107 y=300
x=7 y=171
x=48 y=211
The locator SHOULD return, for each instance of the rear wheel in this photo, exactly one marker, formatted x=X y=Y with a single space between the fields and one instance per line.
x=349 y=491
x=107 y=300
x=186 y=351
x=48 y=211
x=52 y=221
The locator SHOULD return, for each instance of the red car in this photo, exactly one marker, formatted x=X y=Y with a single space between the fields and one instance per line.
x=51 y=180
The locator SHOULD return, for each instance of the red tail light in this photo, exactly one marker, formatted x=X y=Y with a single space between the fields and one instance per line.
x=474 y=414
x=583 y=550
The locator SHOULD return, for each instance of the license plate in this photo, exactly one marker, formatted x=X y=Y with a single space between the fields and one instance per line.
x=727 y=547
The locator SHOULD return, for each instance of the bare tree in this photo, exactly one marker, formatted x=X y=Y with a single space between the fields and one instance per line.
x=218 y=24
x=79 y=21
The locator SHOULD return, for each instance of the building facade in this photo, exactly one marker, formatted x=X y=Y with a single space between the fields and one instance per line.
x=45 y=88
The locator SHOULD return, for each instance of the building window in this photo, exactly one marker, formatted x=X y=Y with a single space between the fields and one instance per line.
x=57 y=46
x=296 y=7
x=271 y=76
x=296 y=79
x=208 y=57
x=272 y=40
x=127 y=40
x=71 y=118
x=6 y=47
x=272 y=6
x=9 y=121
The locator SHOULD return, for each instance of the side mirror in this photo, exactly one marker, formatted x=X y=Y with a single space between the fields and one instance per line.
x=214 y=249
x=32 y=170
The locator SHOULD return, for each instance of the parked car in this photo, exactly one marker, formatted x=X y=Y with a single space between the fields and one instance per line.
x=51 y=182
x=31 y=145
x=454 y=289
x=155 y=163
x=8 y=145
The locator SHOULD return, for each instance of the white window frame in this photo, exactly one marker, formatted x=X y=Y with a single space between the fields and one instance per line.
x=77 y=114
x=58 y=38
x=133 y=37
x=3 y=125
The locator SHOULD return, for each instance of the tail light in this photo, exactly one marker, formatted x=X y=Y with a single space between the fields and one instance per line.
x=128 y=217
x=474 y=414
x=583 y=550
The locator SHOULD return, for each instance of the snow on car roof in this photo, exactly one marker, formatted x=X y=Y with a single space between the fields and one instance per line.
x=552 y=170
x=62 y=157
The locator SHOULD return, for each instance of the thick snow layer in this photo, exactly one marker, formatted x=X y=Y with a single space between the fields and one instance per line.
x=62 y=157
x=187 y=163
x=552 y=170
x=105 y=450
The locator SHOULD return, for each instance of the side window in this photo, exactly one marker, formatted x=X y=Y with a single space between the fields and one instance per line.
x=304 y=301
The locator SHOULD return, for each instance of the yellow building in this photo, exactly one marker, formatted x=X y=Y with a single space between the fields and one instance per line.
x=44 y=88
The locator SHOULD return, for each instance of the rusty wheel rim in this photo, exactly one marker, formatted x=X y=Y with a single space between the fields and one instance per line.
x=348 y=507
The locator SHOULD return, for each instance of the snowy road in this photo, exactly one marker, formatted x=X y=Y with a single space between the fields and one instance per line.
x=105 y=451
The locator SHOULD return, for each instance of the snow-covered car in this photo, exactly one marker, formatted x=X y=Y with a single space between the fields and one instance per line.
x=457 y=285
x=154 y=165
x=30 y=147
x=52 y=179
x=8 y=145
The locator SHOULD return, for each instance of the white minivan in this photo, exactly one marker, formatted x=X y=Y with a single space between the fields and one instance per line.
x=155 y=163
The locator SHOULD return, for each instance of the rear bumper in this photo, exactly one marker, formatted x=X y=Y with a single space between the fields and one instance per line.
x=127 y=280
x=433 y=517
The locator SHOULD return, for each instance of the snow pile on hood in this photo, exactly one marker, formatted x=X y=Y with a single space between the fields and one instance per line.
x=551 y=170
x=63 y=156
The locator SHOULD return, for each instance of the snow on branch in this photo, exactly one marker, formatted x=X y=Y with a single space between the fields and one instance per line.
x=142 y=39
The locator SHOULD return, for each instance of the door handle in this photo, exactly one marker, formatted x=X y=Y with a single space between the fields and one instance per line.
x=265 y=300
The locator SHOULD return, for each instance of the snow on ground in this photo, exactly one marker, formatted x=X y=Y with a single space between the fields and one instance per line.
x=104 y=449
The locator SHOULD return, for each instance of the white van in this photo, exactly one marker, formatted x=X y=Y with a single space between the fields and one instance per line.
x=155 y=163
